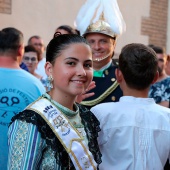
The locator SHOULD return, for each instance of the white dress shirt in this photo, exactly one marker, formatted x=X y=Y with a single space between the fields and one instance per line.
x=135 y=134
x=40 y=68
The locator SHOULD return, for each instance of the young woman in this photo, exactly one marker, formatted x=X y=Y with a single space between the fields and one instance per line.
x=54 y=132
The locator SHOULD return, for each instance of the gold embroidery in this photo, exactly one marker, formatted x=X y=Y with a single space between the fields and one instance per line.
x=85 y=162
x=102 y=96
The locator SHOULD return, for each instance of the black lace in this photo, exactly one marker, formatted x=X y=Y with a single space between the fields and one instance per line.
x=91 y=126
x=90 y=123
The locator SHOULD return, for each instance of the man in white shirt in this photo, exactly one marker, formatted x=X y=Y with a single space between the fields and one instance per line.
x=135 y=132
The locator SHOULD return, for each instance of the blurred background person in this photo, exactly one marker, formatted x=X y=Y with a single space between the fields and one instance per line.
x=167 y=68
x=24 y=67
x=160 y=90
x=30 y=59
x=38 y=43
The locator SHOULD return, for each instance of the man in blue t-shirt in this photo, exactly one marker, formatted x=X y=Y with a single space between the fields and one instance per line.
x=18 y=88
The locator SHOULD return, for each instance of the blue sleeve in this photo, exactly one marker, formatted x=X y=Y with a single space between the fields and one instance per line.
x=25 y=146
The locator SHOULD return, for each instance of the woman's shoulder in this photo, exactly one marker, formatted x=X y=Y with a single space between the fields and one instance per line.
x=29 y=116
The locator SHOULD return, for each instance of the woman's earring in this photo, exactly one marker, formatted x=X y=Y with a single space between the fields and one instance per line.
x=49 y=81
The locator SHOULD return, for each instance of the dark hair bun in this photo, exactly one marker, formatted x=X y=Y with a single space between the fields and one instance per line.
x=56 y=34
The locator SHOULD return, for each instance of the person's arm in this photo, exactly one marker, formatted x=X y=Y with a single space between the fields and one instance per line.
x=25 y=146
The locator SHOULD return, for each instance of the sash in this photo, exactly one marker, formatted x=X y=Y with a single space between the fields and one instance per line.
x=69 y=137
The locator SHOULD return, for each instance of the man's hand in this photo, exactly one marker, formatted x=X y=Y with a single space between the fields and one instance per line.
x=85 y=95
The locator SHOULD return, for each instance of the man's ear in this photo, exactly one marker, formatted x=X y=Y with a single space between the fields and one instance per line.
x=20 y=53
x=21 y=50
x=48 y=68
x=119 y=75
x=114 y=43
x=155 y=78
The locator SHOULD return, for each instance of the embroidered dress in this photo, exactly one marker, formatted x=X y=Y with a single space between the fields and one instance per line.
x=160 y=91
x=33 y=144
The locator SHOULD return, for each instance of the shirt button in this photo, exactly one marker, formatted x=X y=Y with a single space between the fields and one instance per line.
x=113 y=98
x=106 y=72
x=113 y=79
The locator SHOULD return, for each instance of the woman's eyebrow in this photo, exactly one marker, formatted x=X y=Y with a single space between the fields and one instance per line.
x=72 y=58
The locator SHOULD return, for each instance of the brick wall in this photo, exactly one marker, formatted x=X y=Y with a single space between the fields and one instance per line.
x=5 y=6
x=156 y=25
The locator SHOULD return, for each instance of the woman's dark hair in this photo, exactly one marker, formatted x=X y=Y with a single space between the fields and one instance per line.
x=30 y=48
x=68 y=28
x=157 y=49
x=59 y=43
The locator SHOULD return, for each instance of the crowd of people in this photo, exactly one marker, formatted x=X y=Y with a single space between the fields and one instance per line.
x=71 y=106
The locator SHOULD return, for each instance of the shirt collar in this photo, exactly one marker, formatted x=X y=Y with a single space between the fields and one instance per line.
x=105 y=67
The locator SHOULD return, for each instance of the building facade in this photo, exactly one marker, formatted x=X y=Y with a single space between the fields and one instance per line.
x=147 y=21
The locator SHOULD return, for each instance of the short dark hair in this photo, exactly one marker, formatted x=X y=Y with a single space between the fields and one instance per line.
x=157 y=49
x=30 y=48
x=34 y=36
x=68 y=28
x=10 y=40
x=138 y=64
x=60 y=43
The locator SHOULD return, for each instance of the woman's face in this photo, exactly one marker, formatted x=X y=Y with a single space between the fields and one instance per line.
x=31 y=61
x=72 y=71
